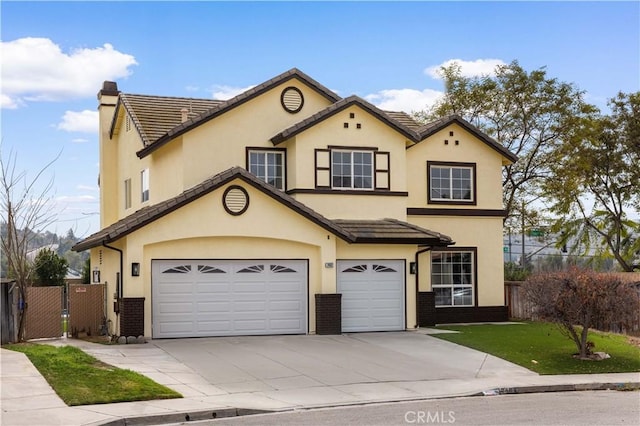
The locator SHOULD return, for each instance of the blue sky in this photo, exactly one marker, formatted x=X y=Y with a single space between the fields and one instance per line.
x=55 y=56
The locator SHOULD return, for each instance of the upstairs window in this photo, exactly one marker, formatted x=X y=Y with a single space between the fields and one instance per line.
x=267 y=165
x=144 y=180
x=351 y=169
x=451 y=183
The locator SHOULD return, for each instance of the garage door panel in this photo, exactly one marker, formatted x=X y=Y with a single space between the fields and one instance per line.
x=232 y=297
x=372 y=294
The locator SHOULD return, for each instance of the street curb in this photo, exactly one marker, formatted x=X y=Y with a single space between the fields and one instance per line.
x=560 y=388
x=187 y=416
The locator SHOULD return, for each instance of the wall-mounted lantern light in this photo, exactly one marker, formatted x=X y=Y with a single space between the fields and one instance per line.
x=96 y=276
x=135 y=269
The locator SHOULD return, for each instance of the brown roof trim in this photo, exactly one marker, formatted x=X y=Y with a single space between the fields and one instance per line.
x=340 y=106
x=434 y=127
x=421 y=211
x=384 y=193
x=237 y=101
x=344 y=229
x=149 y=214
x=392 y=231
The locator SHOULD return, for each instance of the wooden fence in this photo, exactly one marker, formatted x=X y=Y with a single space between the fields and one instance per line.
x=520 y=309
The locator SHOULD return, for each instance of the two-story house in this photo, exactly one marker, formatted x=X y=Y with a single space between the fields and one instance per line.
x=290 y=210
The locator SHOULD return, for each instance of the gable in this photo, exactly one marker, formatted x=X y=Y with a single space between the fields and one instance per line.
x=431 y=129
x=247 y=96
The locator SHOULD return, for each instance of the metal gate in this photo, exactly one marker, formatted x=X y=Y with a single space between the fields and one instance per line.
x=43 y=314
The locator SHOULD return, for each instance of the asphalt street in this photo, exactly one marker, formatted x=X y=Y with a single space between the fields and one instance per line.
x=556 y=408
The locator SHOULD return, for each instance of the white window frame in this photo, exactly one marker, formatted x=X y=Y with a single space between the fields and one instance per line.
x=451 y=167
x=352 y=171
x=144 y=185
x=264 y=155
x=453 y=275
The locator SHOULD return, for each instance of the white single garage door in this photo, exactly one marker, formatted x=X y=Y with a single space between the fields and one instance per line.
x=372 y=294
x=198 y=298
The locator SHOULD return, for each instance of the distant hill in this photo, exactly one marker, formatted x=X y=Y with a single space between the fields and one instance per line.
x=60 y=244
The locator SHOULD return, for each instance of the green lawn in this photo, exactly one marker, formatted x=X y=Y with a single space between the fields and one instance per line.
x=80 y=379
x=542 y=348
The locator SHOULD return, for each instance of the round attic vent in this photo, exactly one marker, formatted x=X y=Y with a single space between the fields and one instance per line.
x=235 y=200
x=292 y=99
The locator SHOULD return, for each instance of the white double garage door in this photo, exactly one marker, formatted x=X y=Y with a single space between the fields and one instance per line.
x=200 y=298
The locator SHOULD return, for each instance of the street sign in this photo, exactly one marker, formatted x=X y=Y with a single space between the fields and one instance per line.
x=505 y=249
x=536 y=232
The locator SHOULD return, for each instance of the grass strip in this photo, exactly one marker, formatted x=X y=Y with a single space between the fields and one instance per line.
x=80 y=379
x=542 y=348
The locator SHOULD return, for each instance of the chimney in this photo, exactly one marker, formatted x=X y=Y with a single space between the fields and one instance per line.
x=185 y=114
x=109 y=88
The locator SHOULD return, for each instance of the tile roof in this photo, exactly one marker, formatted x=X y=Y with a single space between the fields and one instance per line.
x=154 y=116
x=387 y=230
x=390 y=231
x=404 y=119
x=337 y=107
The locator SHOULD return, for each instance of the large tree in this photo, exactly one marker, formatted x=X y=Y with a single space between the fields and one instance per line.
x=25 y=205
x=527 y=112
x=594 y=184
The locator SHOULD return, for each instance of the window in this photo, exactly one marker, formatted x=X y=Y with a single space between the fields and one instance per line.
x=268 y=166
x=452 y=277
x=144 y=179
x=451 y=183
x=127 y=193
x=352 y=169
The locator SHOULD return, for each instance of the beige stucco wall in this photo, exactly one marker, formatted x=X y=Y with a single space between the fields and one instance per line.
x=203 y=229
x=469 y=150
x=220 y=143
x=483 y=233
x=331 y=132
x=108 y=162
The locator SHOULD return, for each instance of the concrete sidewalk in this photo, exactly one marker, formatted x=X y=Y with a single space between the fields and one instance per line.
x=235 y=376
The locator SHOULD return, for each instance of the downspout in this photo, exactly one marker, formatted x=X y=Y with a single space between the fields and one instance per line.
x=121 y=283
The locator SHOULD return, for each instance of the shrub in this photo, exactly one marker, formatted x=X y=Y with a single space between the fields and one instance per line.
x=580 y=299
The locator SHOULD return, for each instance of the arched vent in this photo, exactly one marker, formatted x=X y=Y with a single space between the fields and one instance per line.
x=292 y=99
x=235 y=200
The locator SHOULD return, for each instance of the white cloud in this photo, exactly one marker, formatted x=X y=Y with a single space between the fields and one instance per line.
x=191 y=88
x=7 y=103
x=84 y=121
x=87 y=188
x=36 y=69
x=407 y=100
x=79 y=140
x=76 y=199
x=227 y=92
x=475 y=68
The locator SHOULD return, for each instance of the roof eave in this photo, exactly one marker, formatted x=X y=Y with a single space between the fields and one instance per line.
x=347 y=102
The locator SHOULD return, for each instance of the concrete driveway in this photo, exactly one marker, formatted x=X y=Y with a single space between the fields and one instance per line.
x=331 y=369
